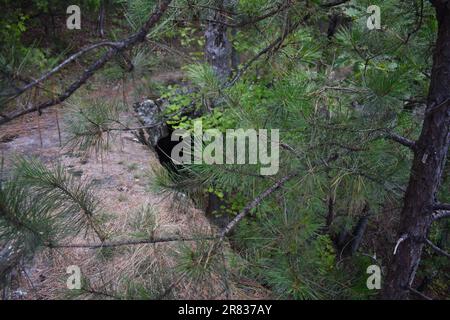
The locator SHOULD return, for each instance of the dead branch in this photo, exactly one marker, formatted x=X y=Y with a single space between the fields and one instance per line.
x=437 y=249
x=334 y=4
x=402 y=140
x=420 y=294
x=74 y=56
x=254 y=203
x=251 y=20
x=440 y=215
x=399 y=241
x=287 y=147
x=112 y=244
x=442 y=206
x=275 y=44
x=279 y=8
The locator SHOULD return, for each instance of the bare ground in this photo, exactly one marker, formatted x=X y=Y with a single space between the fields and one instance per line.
x=122 y=176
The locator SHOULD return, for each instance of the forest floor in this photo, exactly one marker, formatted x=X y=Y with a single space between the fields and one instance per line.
x=122 y=176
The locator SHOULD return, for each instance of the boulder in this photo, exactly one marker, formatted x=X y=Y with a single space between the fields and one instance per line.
x=150 y=114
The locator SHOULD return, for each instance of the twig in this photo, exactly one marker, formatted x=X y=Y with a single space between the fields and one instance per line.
x=437 y=249
x=274 y=44
x=420 y=294
x=442 y=206
x=399 y=241
x=334 y=4
x=128 y=242
x=402 y=140
x=61 y=65
x=249 y=21
x=441 y=214
x=254 y=203
x=291 y=149
x=419 y=23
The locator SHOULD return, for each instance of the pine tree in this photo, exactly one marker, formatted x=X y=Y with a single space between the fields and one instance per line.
x=348 y=103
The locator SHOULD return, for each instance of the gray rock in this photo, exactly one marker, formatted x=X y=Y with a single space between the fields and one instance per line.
x=150 y=114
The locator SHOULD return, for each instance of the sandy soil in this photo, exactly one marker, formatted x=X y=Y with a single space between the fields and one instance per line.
x=122 y=176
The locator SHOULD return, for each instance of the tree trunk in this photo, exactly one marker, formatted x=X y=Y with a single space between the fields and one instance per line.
x=217 y=45
x=428 y=164
x=101 y=19
x=235 y=58
x=359 y=230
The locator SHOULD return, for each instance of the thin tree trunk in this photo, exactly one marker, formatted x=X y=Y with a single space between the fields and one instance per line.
x=359 y=230
x=217 y=44
x=101 y=19
x=235 y=58
x=428 y=164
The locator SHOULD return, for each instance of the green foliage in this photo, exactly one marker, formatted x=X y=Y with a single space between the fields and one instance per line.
x=138 y=11
x=332 y=100
x=188 y=37
x=25 y=221
x=204 y=78
x=199 y=262
x=39 y=207
x=144 y=222
x=321 y=116
x=89 y=125
x=74 y=200
x=207 y=90
x=290 y=255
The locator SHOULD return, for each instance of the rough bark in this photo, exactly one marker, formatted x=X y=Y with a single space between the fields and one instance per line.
x=428 y=164
x=359 y=231
x=101 y=19
x=217 y=44
x=235 y=58
x=150 y=114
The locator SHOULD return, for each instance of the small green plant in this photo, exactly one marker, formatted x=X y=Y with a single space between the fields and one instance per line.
x=144 y=223
x=132 y=167
x=90 y=125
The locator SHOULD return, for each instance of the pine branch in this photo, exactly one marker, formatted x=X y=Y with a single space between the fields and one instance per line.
x=287 y=147
x=72 y=58
x=118 y=48
x=437 y=249
x=420 y=294
x=442 y=206
x=402 y=140
x=24 y=217
x=250 y=20
x=72 y=199
x=19 y=226
x=441 y=214
x=334 y=4
x=254 y=203
x=275 y=44
x=11 y=218
x=112 y=244
x=87 y=212
x=278 y=9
